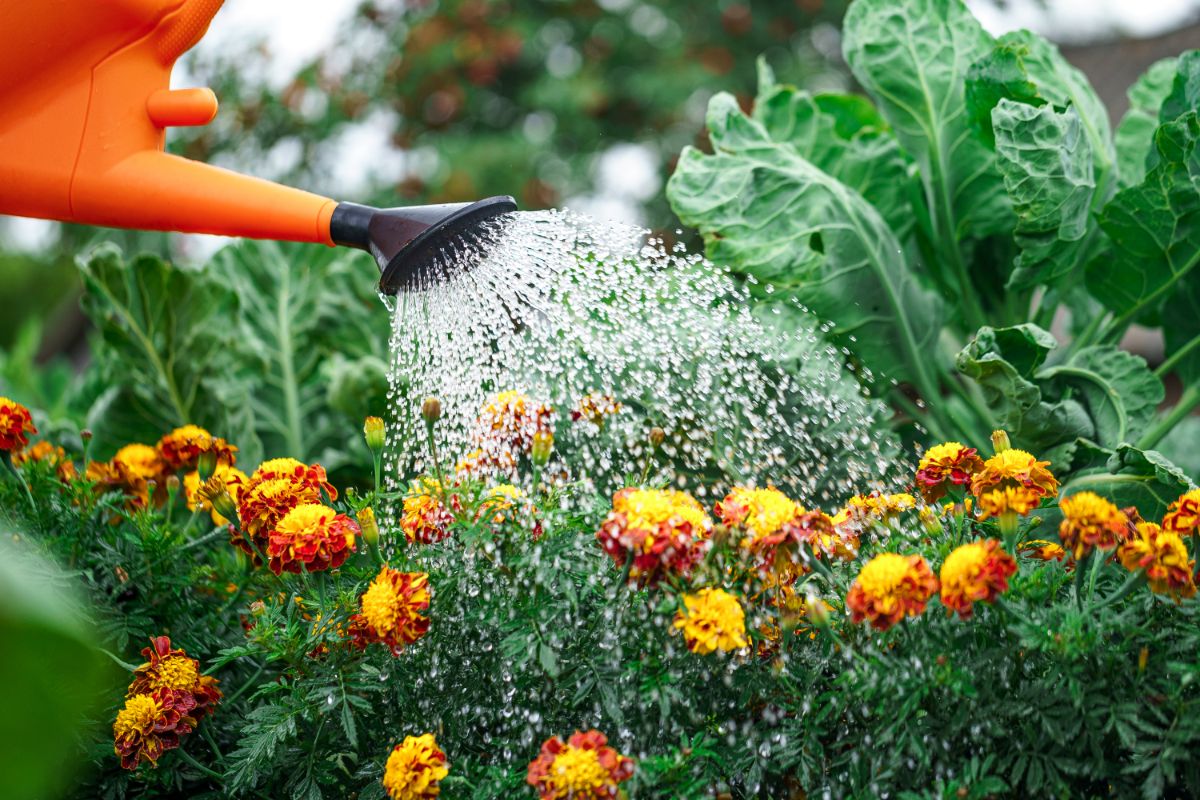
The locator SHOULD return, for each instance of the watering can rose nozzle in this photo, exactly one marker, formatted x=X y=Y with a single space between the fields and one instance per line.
x=406 y=242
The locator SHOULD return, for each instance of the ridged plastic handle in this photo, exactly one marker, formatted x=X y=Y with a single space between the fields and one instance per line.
x=185 y=27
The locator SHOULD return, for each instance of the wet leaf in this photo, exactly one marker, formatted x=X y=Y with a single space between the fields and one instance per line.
x=1135 y=133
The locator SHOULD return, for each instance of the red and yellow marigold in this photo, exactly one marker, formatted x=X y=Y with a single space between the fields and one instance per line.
x=1164 y=558
x=582 y=768
x=233 y=478
x=15 y=425
x=425 y=518
x=711 y=620
x=1042 y=550
x=181 y=448
x=46 y=453
x=863 y=509
x=1091 y=522
x=945 y=465
x=657 y=531
x=1183 y=515
x=889 y=587
x=594 y=407
x=975 y=572
x=151 y=724
x=167 y=668
x=391 y=610
x=1014 y=468
x=311 y=537
x=136 y=470
x=510 y=419
x=273 y=490
x=414 y=768
x=758 y=512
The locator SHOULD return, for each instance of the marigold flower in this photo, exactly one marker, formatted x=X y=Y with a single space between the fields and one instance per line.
x=583 y=768
x=760 y=512
x=368 y=525
x=975 y=572
x=712 y=619
x=15 y=425
x=944 y=465
x=414 y=768
x=151 y=724
x=232 y=480
x=425 y=518
x=1163 y=556
x=312 y=537
x=661 y=530
x=391 y=610
x=1043 y=550
x=1183 y=515
x=594 y=407
x=181 y=448
x=481 y=463
x=890 y=587
x=132 y=471
x=374 y=431
x=46 y=453
x=511 y=419
x=1090 y=521
x=275 y=488
x=502 y=501
x=779 y=555
x=167 y=668
x=1014 y=468
x=863 y=509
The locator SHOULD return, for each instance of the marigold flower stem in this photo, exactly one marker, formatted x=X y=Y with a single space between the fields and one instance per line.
x=6 y=457
x=1080 y=568
x=196 y=764
x=1181 y=410
x=1135 y=581
x=250 y=683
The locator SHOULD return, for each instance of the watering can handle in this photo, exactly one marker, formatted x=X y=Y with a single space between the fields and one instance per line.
x=185 y=28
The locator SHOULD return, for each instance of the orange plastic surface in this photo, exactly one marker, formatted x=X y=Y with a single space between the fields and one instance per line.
x=84 y=100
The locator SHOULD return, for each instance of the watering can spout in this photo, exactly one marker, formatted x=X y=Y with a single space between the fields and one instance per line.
x=87 y=101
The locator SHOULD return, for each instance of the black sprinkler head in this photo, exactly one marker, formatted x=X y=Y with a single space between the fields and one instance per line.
x=406 y=242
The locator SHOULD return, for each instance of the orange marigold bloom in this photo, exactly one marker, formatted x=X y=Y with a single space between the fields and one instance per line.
x=181 y=448
x=944 y=465
x=504 y=502
x=594 y=407
x=1014 y=468
x=760 y=512
x=1090 y=521
x=1164 y=557
x=712 y=619
x=275 y=488
x=1183 y=515
x=233 y=478
x=414 y=768
x=511 y=419
x=391 y=610
x=425 y=518
x=975 y=572
x=46 y=453
x=779 y=553
x=167 y=668
x=864 y=509
x=583 y=768
x=1016 y=501
x=657 y=531
x=151 y=724
x=132 y=471
x=15 y=425
x=890 y=587
x=1043 y=550
x=312 y=537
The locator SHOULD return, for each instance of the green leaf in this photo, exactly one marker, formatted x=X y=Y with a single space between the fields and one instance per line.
x=1185 y=89
x=767 y=211
x=1116 y=387
x=1046 y=162
x=1181 y=332
x=1145 y=479
x=1135 y=132
x=1182 y=447
x=1154 y=228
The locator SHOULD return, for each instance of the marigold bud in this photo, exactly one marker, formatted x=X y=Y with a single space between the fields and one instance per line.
x=1000 y=442
x=86 y=435
x=543 y=446
x=431 y=409
x=366 y=523
x=657 y=436
x=373 y=430
x=258 y=608
x=173 y=483
x=217 y=494
x=206 y=464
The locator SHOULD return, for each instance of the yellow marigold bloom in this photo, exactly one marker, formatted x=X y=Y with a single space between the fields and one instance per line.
x=502 y=501
x=275 y=488
x=131 y=471
x=233 y=479
x=171 y=668
x=1017 y=501
x=1090 y=521
x=890 y=587
x=311 y=537
x=424 y=518
x=141 y=461
x=1043 y=550
x=512 y=418
x=712 y=619
x=46 y=453
x=151 y=724
x=391 y=610
x=594 y=407
x=582 y=768
x=760 y=512
x=945 y=465
x=480 y=463
x=865 y=508
x=975 y=572
x=414 y=768
x=1014 y=468
x=181 y=448
x=1183 y=515
x=1164 y=557
x=15 y=425
x=661 y=530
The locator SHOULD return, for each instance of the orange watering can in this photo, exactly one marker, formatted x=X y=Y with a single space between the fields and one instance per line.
x=85 y=101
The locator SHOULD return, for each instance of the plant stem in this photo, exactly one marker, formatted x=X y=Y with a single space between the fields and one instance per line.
x=196 y=764
x=7 y=459
x=1080 y=568
x=241 y=690
x=1133 y=582
x=291 y=398
x=1187 y=402
x=1164 y=369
